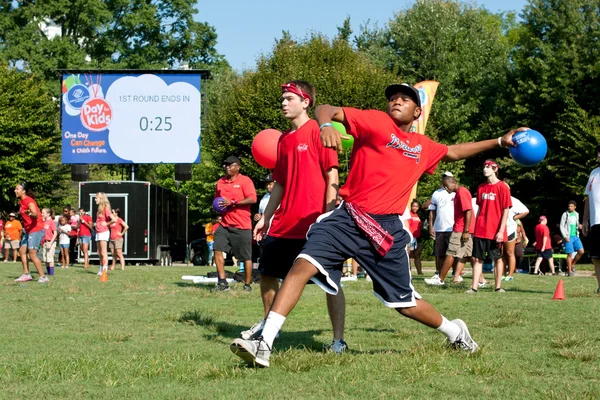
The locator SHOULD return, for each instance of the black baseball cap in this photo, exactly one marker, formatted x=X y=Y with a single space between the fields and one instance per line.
x=269 y=178
x=231 y=160
x=403 y=88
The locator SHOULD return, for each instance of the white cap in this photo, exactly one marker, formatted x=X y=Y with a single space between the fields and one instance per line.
x=447 y=173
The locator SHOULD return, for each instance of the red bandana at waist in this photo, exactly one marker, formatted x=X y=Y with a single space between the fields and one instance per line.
x=379 y=238
x=293 y=88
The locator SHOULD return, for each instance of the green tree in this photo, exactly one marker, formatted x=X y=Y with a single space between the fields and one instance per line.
x=30 y=139
x=465 y=48
x=555 y=81
x=133 y=34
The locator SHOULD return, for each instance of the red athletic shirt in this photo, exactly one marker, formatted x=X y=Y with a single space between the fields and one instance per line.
x=462 y=204
x=84 y=230
x=492 y=201
x=239 y=189
x=30 y=224
x=50 y=228
x=386 y=162
x=540 y=232
x=302 y=163
x=115 y=228
x=103 y=217
x=415 y=224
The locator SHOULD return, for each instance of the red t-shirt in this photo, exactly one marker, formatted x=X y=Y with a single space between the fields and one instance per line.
x=492 y=201
x=102 y=220
x=241 y=188
x=462 y=204
x=50 y=227
x=30 y=224
x=1 y=225
x=302 y=163
x=386 y=162
x=115 y=228
x=415 y=224
x=541 y=231
x=84 y=230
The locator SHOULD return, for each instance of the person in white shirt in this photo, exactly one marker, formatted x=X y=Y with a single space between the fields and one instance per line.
x=441 y=221
x=262 y=206
x=591 y=216
x=515 y=213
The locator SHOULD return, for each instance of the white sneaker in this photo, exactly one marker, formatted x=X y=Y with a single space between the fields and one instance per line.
x=434 y=281
x=482 y=285
x=255 y=331
x=255 y=352
x=24 y=278
x=464 y=341
x=336 y=346
x=43 y=279
x=459 y=279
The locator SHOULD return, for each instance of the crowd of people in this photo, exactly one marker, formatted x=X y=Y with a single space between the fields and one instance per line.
x=39 y=233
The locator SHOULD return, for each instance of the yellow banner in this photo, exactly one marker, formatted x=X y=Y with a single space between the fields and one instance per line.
x=427 y=91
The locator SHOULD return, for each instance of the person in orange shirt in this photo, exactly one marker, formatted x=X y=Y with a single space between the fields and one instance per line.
x=209 y=231
x=12 y=236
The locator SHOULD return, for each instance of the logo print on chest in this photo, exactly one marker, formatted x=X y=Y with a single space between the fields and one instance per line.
x=407 y=151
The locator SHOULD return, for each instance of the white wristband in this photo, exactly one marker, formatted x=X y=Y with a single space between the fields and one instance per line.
x=500 y=141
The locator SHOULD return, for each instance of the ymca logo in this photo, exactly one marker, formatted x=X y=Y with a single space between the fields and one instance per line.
x=410 y=152
x=302 y=147
x=488 y=196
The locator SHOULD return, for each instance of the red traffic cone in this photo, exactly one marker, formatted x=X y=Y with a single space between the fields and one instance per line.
x=559 y=293
x=104 y=276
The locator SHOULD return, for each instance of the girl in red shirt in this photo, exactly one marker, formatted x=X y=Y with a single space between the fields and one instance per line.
x=117 y=233
x=416 y=245
x=104 y=219
x=33 y=233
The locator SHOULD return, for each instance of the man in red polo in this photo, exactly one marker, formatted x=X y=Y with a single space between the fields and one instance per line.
x=235 y=233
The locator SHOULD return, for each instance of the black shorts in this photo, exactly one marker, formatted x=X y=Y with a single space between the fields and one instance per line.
x=481 y=247
x=546 y=254
x=335 y=238
x=236 y=241
x=594 y=241
x=442 y=241
x=279 y=255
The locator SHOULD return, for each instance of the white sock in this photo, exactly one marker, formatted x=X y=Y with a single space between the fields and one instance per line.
x=450 y=329
x=272 y=327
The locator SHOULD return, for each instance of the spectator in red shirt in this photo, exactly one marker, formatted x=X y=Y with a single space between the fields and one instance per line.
x=493 y=199
x=387 y=160
x=85 y=235
x=461 y=239
x=543 y=246
x=416 y=245
x=306 y=183
x=235 y=232
x=33 y=233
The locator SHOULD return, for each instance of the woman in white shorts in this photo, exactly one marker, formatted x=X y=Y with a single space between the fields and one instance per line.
x=104 y=218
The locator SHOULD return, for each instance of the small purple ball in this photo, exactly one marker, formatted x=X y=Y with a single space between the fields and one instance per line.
x=217 y=206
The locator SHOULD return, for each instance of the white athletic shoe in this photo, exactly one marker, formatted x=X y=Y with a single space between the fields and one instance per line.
x=464 y=341
x=336 y=346
x=255 y=352
x=434 y=281
x=255 y=331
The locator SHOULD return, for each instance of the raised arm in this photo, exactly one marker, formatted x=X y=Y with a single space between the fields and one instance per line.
x=461 y=151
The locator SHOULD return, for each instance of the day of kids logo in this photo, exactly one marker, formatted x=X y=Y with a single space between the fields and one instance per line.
x=87 y=102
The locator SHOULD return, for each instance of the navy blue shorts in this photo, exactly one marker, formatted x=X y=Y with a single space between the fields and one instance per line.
x=335 y=238
x=278 y=256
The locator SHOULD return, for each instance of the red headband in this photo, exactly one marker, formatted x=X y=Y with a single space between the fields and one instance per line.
x=293 y=88
x=490 y=163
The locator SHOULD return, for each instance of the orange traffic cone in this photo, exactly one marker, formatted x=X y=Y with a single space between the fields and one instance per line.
x=559 y=293
x=104 y=276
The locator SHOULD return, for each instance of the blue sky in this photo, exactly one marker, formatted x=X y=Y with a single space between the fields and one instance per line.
x=248 y=28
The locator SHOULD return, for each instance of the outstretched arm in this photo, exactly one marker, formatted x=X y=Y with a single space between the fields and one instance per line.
x=461 y=151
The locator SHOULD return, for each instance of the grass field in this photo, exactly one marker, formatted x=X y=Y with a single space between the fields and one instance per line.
x=146 y=334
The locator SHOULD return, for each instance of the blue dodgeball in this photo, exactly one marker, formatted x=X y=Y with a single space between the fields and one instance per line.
x=531 y=147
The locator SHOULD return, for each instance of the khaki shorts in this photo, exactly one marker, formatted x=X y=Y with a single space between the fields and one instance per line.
x=116 y=244
x=48 y=251
x=458 y=249
x=12 y=244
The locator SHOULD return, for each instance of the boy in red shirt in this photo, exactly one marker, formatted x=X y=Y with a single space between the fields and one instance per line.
x=543 y=246
x=493 y=199
x=461 y=240
x=387 y=160
x=235 y=232
x=306 y=181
